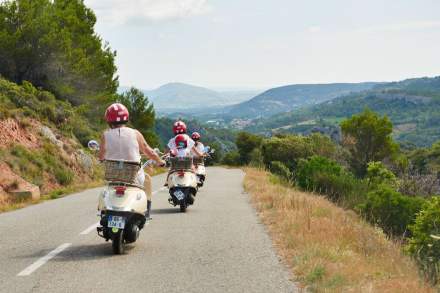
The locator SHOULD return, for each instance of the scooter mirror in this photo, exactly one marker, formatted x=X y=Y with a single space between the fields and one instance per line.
x=157 y=151
x=207 y=148
x=93 y=145
x=212 y=151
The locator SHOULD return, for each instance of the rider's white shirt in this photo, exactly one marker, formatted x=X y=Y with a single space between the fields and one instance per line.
x=200 y=147
x=172 y=143
x=121 y=145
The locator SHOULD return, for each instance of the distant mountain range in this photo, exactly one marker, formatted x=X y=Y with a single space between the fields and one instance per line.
x=184 y=98
x=287 y=98
x=181 y=97
x=413 y=106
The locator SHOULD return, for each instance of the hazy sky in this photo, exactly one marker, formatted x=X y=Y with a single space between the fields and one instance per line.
x=265 y=43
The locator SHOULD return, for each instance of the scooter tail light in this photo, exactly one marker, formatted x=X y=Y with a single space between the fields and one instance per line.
x=181 y=173
x=120 y=190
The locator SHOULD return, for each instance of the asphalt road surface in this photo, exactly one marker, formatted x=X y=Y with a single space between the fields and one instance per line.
x=217 y=246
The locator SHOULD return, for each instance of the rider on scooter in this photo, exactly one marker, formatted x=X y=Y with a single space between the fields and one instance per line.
x=179 y=129
x=199 y=145
x=122 y=143
x=181 y=143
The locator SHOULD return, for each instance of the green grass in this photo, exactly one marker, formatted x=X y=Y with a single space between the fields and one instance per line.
x=33 y=164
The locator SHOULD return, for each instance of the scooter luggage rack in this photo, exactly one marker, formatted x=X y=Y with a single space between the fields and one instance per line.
x=181 y=164
x=117 y=183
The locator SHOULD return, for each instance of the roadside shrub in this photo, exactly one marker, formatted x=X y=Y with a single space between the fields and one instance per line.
x=308 y=169
x=390 y=210
x=424 y=245
x=32 y=164
x=232 y=159
x=378 y=174
x=327 y=177
x=257 y=158
x=246 y=143
x=281 y=170
x=63 y=176
x=289 y=149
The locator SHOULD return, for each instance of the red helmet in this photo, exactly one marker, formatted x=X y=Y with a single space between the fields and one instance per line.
x=181 y=141
x=195 y=136
x=116 y=113
x=179 y=127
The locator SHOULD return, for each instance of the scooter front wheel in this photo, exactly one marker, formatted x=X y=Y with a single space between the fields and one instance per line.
x=118 y=242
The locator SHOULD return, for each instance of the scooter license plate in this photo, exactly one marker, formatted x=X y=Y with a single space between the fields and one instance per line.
x=179 y=194
x=116 y=222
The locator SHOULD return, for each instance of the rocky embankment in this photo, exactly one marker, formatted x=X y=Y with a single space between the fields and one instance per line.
x=35 y=159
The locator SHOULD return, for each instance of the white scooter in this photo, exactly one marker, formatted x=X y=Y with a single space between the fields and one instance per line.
x=200 y=166
x=122 y=207
x=182 y=182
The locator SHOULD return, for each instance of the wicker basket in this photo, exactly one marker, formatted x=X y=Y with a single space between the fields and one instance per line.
x=198 y=161
x=117 y=171
x=181 y=163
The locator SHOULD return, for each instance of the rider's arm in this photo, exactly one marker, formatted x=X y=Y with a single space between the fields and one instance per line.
x=145 y=149
x=101 y=154
x=197 y=152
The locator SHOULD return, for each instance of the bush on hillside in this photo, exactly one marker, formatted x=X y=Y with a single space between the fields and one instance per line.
x=281 y=170
x=246 y=144
x=27 y=101
x=424 y=244
x=378 y=174
x=256 y=158
x=33 y=164
x=289 y=149
x=319 y=174
x=390 y=210
x=231 y=159
x=368 y=138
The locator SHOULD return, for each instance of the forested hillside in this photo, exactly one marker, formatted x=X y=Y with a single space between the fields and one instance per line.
x=412 y=105
x=287 y=98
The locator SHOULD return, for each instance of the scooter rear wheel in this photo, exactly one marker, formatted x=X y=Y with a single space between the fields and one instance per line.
x=183 y=206
x=118 y=242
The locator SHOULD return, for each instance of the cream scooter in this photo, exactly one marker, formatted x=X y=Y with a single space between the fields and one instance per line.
x=122 y=207
x=200 y=166
x=182 y=182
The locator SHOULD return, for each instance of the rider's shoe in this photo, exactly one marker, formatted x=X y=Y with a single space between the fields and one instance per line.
x=147 y=213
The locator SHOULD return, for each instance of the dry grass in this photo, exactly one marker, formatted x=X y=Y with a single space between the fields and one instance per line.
x=329 y=249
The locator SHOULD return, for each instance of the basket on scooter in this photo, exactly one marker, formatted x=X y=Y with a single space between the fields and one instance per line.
x=199 y=161
x=119 y=171
x=184 y=163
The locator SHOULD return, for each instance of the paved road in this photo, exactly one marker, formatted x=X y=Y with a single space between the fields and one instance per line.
x=217 y=246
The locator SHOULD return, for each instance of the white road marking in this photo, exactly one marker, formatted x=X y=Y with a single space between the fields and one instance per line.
x=40 y=262
x=161 y=189
x=90 y=229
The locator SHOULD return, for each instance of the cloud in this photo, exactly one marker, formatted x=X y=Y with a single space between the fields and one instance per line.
x=118 y=12
x=314 y=29
x=397 y=27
